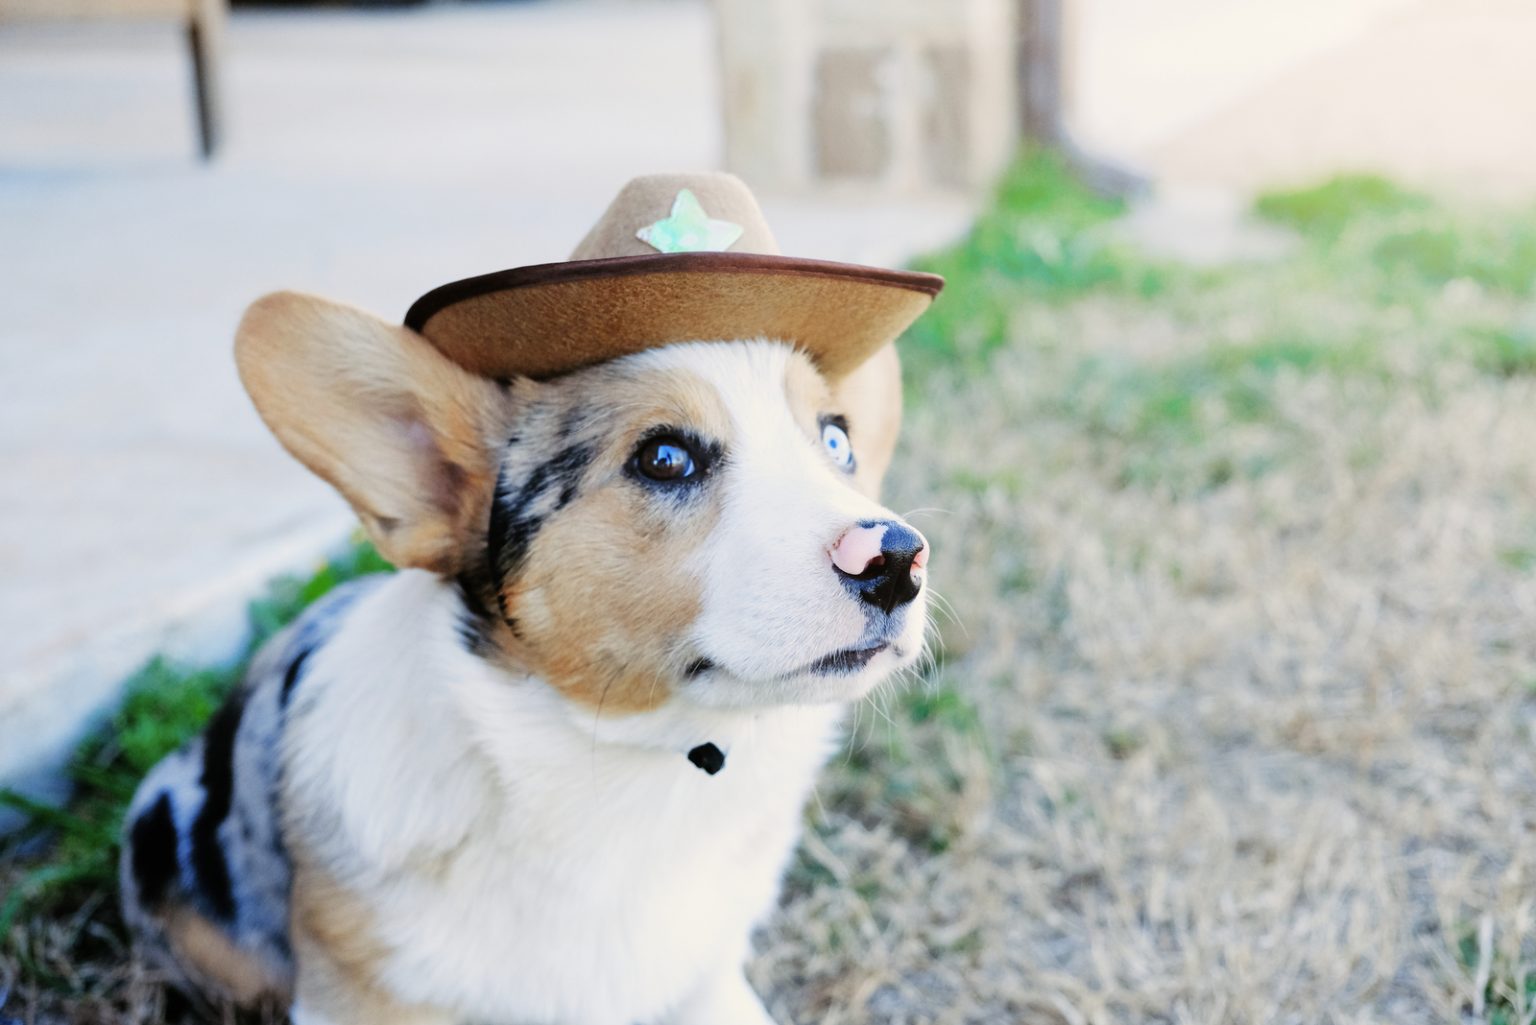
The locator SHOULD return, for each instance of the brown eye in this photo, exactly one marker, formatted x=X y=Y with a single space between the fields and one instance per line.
x=666 y=459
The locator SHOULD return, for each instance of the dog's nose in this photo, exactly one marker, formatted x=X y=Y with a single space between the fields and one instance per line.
x=881 y=561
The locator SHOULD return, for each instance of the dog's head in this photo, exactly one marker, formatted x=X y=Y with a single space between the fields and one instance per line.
x=696 y=520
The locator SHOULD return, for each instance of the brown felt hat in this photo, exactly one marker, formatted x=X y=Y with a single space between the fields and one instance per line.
x=675 y=258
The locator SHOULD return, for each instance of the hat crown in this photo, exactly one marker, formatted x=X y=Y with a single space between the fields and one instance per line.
x=648 y=206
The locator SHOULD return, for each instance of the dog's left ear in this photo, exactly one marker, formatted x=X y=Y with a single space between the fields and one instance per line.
x=407 y=437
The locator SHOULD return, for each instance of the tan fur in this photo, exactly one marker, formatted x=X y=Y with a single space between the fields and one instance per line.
x=207 y=955
x=407 y=437
x=593 y=558
x=809 y=396
x=335 y=938
x=614 y=549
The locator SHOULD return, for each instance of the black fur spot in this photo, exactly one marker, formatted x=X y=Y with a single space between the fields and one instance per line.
x=574 y=422
x=475 y=623
x=218 y=781
x=291 y=676
x=514 y=523
x=152 y=842
x=318 y=625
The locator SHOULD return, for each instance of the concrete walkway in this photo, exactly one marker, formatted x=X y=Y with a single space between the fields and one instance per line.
x=371 y=157
x=1216 y=96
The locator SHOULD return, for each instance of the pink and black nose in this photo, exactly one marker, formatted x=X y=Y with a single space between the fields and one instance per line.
x=881 y=561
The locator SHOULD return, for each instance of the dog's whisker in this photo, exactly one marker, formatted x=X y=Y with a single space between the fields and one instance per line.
x=854 y=736
x=913 y=513
x=945 y=607
x=881 y=697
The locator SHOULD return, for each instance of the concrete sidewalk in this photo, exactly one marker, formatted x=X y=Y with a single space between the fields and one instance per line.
x=1216 y=96
x=371 y=157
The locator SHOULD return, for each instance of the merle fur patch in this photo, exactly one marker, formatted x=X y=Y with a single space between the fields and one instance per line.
x=209 y=866
x=517 y=513
x=318 y=625
x=476 y=623
x=153 y=842
x=291 y=676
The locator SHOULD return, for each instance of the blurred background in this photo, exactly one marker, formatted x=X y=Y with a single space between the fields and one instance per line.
x=1224 y=431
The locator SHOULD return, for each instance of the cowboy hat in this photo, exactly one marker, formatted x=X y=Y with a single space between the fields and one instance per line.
x=675 y=258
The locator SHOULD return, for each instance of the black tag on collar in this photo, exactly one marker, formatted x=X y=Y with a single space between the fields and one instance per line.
x=708 y=757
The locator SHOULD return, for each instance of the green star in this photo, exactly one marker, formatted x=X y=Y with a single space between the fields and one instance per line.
x=689 y=229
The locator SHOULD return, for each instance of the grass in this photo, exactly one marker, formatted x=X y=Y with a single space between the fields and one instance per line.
x=1325 y=211
x=1507 y=995
x=1242 y=560
x=1407 y=241
x=1037 y=242
x=1235 y=720
x=1506 y=352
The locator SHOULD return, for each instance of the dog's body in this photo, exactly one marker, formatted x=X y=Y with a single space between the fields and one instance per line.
x=488 y=788
x=598 y=884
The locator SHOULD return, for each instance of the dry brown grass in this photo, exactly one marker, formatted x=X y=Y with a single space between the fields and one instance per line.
x=1250 y=727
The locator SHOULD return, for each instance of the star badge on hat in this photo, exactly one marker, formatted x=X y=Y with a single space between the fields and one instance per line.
x=689 y=229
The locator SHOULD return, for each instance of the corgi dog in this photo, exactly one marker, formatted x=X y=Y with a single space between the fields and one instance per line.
x=551 y=771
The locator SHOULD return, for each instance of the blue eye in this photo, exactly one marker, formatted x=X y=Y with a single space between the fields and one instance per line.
x=835 y=438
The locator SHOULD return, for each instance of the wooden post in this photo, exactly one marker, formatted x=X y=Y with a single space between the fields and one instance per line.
x=1043 y=54
x=1042 y=77
x=205 y=38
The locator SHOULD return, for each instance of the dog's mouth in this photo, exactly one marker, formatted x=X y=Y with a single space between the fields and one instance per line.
x=840 y=663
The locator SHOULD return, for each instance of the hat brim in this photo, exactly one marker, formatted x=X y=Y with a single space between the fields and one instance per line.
x=548 y=319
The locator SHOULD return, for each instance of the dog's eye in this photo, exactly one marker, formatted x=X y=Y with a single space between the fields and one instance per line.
x=666 y=459
x=835 y=437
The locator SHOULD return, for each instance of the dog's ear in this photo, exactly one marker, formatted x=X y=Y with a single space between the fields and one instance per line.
x=871 y=398
x=407 y=437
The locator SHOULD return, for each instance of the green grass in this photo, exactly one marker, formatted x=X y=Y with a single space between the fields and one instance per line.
x=1497 y=256
x=1521 y=558
x=1168 y=418
x=1185 y=396
x=1323 y=212
x=1406 y=241
x=1510 y=996
x=1371 y=247
x=1038 y=241
x=166 y=705
x=1508 y=352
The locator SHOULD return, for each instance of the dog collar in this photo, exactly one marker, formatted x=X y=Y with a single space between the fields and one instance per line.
x=707 y=757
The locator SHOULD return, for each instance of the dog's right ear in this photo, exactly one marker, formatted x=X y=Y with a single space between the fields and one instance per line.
x=408 y=438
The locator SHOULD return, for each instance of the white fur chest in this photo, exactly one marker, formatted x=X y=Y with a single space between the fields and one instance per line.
x=602 y=899
x=539 y=865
